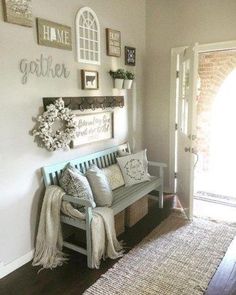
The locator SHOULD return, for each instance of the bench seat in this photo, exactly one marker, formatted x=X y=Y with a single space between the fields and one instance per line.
x=123 y=196
x=126 y=196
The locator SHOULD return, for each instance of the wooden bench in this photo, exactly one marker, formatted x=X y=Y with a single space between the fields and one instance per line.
x=123 y=196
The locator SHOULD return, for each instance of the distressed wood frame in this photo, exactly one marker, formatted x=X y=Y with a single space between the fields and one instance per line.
x=74 y=145
x=83 y=80
x=109 y=42
x=56 y=42
x=17 y=19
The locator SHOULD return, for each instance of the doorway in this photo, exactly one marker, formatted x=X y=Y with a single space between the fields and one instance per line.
x=214 y=177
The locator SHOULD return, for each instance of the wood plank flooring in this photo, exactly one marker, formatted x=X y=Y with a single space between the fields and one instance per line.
x=74 y=277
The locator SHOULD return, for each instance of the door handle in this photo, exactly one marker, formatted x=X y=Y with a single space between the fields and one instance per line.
x=187 y=149
x=192 y=137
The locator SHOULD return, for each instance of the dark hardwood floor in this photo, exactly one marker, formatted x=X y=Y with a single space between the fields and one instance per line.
x=74 y=277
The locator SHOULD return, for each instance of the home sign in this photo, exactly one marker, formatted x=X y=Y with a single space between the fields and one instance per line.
x=53 y=34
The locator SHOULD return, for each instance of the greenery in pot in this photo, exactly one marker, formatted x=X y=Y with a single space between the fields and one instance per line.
x=119 y=74
x=129 y=75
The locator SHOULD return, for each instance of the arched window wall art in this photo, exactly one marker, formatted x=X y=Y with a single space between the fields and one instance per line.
x=87 y=36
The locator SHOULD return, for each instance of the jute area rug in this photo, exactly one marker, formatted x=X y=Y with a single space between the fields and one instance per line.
x=177 y=258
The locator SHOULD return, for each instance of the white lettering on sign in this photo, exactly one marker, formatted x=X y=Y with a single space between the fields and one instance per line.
x=54 y=34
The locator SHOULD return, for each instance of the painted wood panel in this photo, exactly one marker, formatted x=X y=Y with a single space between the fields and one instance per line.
x=53 y=34
x=18 y=12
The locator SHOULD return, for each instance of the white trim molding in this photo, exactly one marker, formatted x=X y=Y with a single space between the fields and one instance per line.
x=227 y=45
x=15 y=264
x=174 y=53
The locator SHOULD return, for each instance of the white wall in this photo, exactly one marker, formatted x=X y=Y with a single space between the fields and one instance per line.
x=21 y=181
x=169 y=24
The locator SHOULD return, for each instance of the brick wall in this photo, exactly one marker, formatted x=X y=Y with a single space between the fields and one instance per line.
x=214 y=67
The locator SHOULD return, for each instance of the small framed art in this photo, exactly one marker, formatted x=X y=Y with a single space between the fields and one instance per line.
x=130 y=56
x=89 y=79
x=18 y=12
x=113 y=42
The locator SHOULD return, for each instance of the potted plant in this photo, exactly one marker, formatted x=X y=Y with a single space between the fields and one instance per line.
x=129 y=77
x=118 y=77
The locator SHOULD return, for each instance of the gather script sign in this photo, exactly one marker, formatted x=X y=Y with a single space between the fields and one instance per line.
x=93 y=127
x=42 y=67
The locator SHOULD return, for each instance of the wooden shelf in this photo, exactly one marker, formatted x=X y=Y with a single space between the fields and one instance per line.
x=88 y=102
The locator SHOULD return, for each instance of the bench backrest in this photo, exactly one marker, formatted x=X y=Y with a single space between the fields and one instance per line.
x=102 y=159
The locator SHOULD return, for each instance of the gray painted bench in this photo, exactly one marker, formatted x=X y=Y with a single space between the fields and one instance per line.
x=123 y=196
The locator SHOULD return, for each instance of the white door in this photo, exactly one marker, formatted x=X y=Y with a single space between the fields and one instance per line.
x=186 y=128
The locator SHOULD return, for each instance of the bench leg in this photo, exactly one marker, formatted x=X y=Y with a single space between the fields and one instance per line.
x=160 y=197
x=88 y=236
x=161 y=188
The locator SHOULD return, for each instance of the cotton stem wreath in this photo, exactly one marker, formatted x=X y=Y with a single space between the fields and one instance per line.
x=59 y=139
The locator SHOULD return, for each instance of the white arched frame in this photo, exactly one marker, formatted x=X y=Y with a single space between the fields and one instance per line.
x=87 y=36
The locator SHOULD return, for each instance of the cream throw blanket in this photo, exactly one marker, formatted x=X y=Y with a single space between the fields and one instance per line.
x=48 y=252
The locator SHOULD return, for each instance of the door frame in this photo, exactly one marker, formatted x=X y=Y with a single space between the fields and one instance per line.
x=201 y=48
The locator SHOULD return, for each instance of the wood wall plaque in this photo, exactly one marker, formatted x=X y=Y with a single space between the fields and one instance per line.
x=88 y=102
x=18 y=12
x=93 y=127
x=113 y=42
x=53 y=34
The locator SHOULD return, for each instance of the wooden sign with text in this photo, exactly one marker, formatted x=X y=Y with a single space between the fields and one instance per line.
x=113 y=42
x=18 y=12
x=53 y=35
x=93 y=127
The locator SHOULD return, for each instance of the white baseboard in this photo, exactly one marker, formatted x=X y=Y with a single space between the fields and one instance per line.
x=10 y=267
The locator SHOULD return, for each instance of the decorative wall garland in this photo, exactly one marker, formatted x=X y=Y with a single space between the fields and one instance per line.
x=59 y=139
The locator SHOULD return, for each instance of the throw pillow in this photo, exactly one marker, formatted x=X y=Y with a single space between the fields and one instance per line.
x=134 y=168
x=114 y=176
x=100 y=186
x=75 y=184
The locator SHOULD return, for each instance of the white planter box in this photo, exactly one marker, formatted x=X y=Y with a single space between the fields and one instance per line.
x=128 y=84
x=119 y=83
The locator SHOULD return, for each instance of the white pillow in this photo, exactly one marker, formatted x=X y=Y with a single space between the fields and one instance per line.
x=100 y=186
x=114 y=176
x=134 y=168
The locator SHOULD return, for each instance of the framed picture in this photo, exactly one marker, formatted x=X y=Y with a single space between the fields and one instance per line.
x=93 y=127
x=130 y=56
x=113 y=42
x=89 y=79
x=18 y=12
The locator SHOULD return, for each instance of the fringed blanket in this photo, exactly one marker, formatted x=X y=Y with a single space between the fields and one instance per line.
x=104 y=241
x=48 y=251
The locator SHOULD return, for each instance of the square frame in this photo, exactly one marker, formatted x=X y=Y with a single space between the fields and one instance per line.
x=89 y=80
x=130 y=56
x=113 y=40
x=19 y=13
